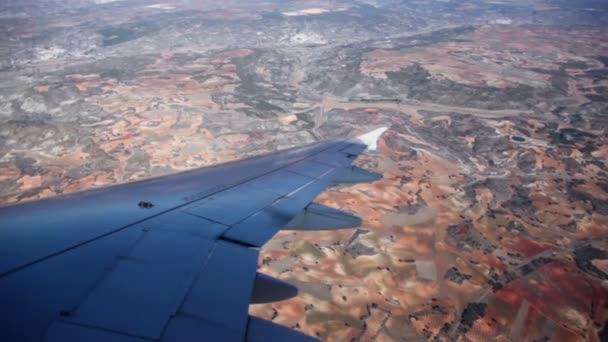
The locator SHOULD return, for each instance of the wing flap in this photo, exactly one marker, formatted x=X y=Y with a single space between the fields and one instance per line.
x=320 y=217
x=162 y=265
x=264 y=224
x=233 y=205
x=268 y=289
x=40 y=293
x=355 y=174
x=182 y=222
x=223 y=290
x=281 y=182
x=310 y=168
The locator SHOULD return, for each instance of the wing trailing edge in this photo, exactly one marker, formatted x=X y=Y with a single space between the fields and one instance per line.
x=355 y=174
x=268 y=289
x=313 y=216
x=320 y=217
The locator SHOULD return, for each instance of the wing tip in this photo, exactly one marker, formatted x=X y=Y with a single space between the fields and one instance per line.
x=370 y=139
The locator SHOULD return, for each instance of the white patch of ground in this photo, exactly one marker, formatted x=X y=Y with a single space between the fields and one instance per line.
x=30 y=105
x=426 y=269
x=575 y=317
x=6 y=109
x=52 y=52
x=421 y=217
x=305 y=38
x=287 y=119
x=504 y=21
x=308 y=11
x=162 y=7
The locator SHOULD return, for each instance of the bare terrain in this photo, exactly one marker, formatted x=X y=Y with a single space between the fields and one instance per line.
x=491 y=221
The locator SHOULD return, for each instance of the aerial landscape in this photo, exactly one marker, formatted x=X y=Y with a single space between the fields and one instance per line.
x=491 y=221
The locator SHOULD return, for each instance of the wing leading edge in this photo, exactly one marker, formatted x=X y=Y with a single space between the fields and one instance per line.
x=99 y=266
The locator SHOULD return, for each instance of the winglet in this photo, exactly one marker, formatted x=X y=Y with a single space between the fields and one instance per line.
x=370 y=139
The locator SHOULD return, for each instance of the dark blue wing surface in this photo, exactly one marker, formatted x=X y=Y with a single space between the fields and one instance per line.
x=166 y=259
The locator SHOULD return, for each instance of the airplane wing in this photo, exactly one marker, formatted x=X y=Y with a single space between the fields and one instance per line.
x=167 y=259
